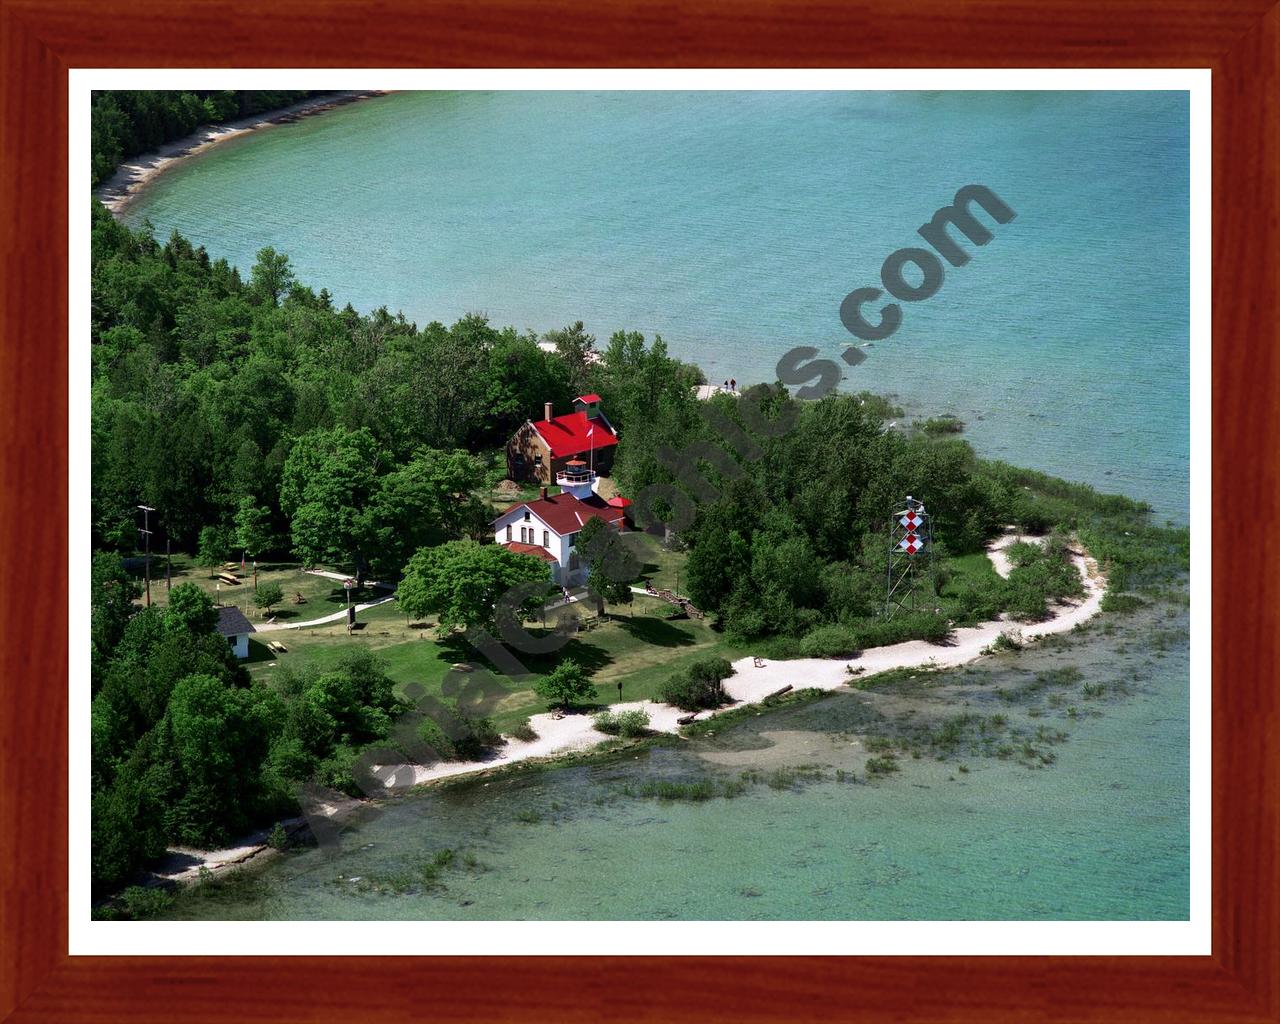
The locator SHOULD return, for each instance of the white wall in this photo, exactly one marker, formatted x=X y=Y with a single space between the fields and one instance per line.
x=559 y=545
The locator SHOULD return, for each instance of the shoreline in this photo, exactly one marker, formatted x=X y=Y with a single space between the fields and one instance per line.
x=133 y=176
x=749 y=686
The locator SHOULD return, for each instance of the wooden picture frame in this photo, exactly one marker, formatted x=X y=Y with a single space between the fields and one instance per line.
x=41 y=39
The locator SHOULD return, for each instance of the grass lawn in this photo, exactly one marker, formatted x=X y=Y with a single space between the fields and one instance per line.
x=636 y=646
x=322 y=595
x=663 y=567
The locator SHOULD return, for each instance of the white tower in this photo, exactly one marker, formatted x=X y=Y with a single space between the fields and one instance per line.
x=577 y=479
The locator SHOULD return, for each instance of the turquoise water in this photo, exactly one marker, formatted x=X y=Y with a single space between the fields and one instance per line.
x=1101 y=833
x=735 y=223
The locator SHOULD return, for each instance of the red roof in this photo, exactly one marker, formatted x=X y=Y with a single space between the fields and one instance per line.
x=590 y=399
x=567 y=435
x=530 y=549
x=618 y=501
x=566 y=514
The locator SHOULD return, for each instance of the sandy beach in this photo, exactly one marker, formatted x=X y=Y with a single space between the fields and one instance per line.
x=133 y=175
x=750 y=684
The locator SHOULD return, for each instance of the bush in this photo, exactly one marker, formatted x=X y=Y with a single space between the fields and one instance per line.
x=524 y=731
x=936 y=426
x=881 y=765
x=459 y=737
x=833 y=641
x=434 y=737
x=1121 y=603
x=141 y=902
x=278 y=839
x=698 y=686
x=903 y=627
x=478 y=737
x=1010 y=641
x=627 y=724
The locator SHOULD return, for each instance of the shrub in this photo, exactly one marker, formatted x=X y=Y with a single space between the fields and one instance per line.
x=145 y=901
x=1010 y=641
x=627 y=724
x=1023 y=552
x=430 y=734
x=944 y=424
x=881 y=765
x=478 y=737
x=524 y=731
x=832 y=641
x=911 y=626
x=1121 y=603
x=980 y=600
x=278 y=839
x=459 y=737
x=698 y=686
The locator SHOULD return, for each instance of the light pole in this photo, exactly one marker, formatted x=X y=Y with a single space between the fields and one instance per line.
x=146 y=531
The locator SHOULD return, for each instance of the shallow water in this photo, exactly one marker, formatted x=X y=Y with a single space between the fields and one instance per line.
x=735 y=223
x=1101 y=833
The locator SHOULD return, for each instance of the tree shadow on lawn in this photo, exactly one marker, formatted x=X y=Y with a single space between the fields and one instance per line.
x=656 y=631
x=592 y=658
x=338 y=595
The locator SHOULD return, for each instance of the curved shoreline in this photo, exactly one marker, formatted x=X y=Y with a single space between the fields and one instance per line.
x=750 y=685
x=134 y=175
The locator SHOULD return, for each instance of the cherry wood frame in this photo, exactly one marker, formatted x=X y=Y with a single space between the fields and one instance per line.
x=40 y=39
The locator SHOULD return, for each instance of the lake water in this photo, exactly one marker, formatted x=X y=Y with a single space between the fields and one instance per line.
x=733 y=224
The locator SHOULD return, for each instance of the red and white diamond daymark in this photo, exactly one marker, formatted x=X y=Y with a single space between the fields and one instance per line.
x=911 y=544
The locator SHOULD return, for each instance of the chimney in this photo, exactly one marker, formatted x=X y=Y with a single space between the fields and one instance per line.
x=544 y=492
x=546 y=415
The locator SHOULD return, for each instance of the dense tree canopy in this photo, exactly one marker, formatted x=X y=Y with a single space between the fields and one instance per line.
x=207 y=389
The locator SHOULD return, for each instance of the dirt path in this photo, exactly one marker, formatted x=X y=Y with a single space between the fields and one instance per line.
x=269 y=627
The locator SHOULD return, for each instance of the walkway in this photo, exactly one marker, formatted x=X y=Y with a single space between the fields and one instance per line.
x=268 y=627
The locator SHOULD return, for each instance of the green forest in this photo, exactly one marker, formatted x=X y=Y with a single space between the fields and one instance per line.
x=259 y=417
x=124 y=123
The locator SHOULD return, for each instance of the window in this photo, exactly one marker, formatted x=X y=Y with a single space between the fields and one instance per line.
x=546 y=539
x=537 y=458
x=524 y=539
x=508 y=533
x=527 y=515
